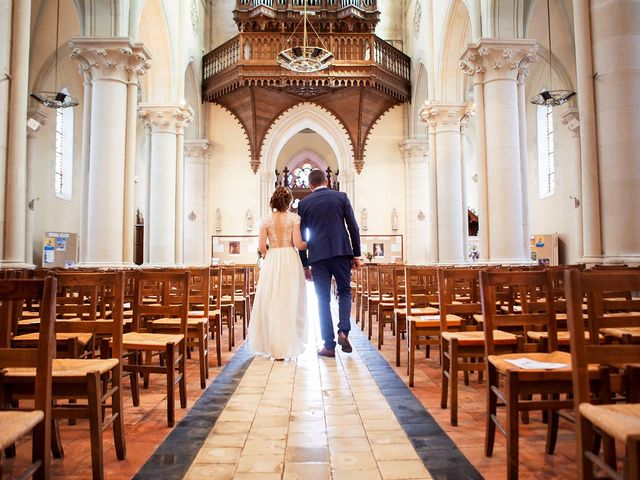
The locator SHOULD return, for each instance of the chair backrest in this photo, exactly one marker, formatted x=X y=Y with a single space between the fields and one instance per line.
x=215 y=288
x=17 y=292
x=421 y=286
x=174 y=301
x=536 y=301
x=371 y=280
x=105 y=291
x=597 y=286
x=387 y=284
x=200 y=289
x=228 y=282
x=458 y=293
x=242 y=280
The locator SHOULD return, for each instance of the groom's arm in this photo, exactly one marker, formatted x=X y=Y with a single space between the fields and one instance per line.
x=303 y=230
x=352 y=226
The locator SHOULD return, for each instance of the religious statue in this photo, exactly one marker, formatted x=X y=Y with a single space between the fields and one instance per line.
x=364 y=219
x=218 y=220
x=248 y=219
x=394 y=220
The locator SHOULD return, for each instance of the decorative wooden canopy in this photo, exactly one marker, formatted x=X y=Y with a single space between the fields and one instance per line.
x=369 y=76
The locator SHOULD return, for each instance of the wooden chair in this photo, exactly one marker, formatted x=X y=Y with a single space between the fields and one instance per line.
x=462 y=351
x=97 y=380
x=15 y=424
x=173 y=302
x=613 y=421
x=241 y=296
x=215 y=318
x=388 y=299
x=422 y=325
x=422 y=291
x=198 y=321
x=519 y=385
x=370 y=297
x=226 y=304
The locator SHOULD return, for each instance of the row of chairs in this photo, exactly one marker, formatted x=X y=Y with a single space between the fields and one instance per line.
x=486 y=318
x=112 y=317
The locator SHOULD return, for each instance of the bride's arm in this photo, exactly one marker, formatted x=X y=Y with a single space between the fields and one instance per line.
x=297 y=237
x=262 y=240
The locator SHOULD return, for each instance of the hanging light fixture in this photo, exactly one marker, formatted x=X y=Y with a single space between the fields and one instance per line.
x=305 y=58
x=550 y=97
x=57 y=98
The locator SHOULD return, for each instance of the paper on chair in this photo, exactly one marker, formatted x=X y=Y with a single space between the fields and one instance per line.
x=528 y=364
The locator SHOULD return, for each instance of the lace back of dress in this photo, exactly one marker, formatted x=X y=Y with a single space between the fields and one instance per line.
x=280 y=230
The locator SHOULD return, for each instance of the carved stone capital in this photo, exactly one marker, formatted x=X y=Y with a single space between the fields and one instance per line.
x=166 y=118
x=498 y=59
x=446 y=117
x=414 y=151
x=571 y=120
x=198 y=151
x=117 y=59
x=359 y=164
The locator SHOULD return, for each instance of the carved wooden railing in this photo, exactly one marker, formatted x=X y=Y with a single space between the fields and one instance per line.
x=367 y=5
x=253 y=54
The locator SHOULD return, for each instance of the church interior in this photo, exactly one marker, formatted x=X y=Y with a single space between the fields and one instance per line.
x=490 y=154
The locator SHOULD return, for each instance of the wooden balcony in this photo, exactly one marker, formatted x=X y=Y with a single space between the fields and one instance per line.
x=368 y=76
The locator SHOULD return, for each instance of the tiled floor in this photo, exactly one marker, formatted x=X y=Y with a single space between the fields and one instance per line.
x=312 y=418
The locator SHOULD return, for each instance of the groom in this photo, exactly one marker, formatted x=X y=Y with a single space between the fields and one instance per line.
x=332 y=253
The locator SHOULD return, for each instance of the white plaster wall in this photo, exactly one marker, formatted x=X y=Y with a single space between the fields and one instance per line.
x=233 y=187
x=381 y=186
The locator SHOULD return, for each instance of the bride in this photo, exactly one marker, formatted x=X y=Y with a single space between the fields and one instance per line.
x=278 y=326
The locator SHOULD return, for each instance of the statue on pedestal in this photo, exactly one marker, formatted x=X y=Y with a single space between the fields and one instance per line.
x=394 y=220
x=248 y=218
x=218 y=220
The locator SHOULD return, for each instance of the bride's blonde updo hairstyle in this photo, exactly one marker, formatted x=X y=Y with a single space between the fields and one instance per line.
x=281 y=199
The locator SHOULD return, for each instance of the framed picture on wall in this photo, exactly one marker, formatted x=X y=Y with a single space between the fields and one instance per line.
x=378 y=250
x=234 y=248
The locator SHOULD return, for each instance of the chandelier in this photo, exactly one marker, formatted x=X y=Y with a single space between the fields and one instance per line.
x=550 y=97
x=56 y=98
x=305 y=58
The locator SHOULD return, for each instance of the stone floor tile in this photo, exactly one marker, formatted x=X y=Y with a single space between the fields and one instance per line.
x=218 y=471
x=370 y=474
x=402 y=469
x=307 y=471
x=306 y=455
x=353 y=461
x=260 y=464
x=219 y=455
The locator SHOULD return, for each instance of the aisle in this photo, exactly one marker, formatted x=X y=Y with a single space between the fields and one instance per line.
x=312 y=418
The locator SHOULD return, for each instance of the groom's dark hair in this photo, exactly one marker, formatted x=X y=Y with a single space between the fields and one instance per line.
x=317 y=178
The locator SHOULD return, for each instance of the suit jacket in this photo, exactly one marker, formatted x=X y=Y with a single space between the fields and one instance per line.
x=326 y=216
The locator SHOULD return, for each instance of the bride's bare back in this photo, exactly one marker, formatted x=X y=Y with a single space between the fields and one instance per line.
x=282 y=229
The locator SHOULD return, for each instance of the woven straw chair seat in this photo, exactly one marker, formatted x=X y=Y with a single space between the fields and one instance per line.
x=564 y=338
x=621 y=332
x=473 y=339
x=149 y=341
x=620 y=420
x=83 y=338
x=433 y=321
x=68 y=367
x=175 y=322
x=14 y=425
x=416 y=312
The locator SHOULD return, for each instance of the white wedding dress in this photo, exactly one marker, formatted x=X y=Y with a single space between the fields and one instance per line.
x=278 y=326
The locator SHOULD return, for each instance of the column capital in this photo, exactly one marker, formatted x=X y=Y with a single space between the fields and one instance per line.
x=414 y=150
x=166 y=118
x=495 y=58
x=117 y=59
x=446 y=117
x=198 y=151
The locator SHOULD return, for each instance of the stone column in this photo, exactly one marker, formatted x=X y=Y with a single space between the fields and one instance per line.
x=15 y=213
x=130 y=171
x=524 y=157
x=500 y=61
x=5 y=84
x=592 y=234
x=40 y=115
x=432 y=218
x=197 y=154
x=571 y=120
x=112 y=63
x=415 y=154
x=445 y=119
x=180 y=194
x=615 y=32
x=166 y=122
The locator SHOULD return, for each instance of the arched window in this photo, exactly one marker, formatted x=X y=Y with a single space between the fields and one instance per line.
x=63 y=171
x=301 y=175
x=546 y=153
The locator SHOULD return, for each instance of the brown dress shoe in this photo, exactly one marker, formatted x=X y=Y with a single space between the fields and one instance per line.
x=325 y=352
x=343 y=341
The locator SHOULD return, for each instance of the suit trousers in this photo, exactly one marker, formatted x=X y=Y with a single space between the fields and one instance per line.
x=340 y=269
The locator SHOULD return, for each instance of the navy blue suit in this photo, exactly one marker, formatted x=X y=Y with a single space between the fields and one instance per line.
x=329 y=226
